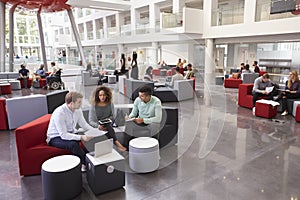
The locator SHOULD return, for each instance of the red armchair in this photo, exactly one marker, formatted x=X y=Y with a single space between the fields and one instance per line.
x=232 y=83
x=245 y=95
x=32 y=147
x=3 y=115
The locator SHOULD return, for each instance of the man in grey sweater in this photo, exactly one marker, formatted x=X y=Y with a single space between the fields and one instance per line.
x=259 y=88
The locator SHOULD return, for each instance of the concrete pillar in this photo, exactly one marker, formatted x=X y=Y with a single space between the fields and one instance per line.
x=105 y=26
x=77 y=38
x=178 y=6
x=154 y=53
x=209 y=56
x=42 y=40
x=2 y=37
x=11 y=37
x=135 y=18
x=231 y=57
x=154 y=15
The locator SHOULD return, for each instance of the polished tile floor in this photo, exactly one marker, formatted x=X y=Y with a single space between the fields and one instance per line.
x=223 y=153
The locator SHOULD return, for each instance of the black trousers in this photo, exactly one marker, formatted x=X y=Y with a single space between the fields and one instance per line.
x=256 y=96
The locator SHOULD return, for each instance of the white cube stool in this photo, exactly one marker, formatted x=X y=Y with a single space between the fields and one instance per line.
x=112 y=79
x=61 y=177
x=296 y=103
x=15 y=84
x=143 y=154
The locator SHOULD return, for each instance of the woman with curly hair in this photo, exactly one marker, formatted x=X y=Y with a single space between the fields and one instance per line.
x=102 y=109
x=292 y=91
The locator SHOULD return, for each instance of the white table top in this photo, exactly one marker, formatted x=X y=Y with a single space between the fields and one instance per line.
x=143 y=142
x=60 y=163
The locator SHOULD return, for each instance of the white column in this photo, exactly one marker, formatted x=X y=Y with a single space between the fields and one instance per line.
x=135 y=18
x=2 y=37
x=119 y=22
x=105 y=27
x=249 y=12
x=209 y=56
x=154 y=15
x=178 y=6
x=11 y=38
x=154 y=53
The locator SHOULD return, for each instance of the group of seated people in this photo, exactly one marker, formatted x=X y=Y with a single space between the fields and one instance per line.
x=291 y=91
x=177 y=76
x=62 y=132
x=245 y=69
x=39 y=74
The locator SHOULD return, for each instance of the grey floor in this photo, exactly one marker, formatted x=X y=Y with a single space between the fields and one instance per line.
x=223 y=153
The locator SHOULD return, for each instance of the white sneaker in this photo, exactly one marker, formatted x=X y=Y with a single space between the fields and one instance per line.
x=253 y=110
x=284 y=113
x=83 y=168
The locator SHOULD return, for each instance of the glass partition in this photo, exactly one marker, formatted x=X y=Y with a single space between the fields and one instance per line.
x=172 y=20
x=228 y=14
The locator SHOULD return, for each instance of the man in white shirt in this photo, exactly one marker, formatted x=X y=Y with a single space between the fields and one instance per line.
x=62 y=131
x=176 y=76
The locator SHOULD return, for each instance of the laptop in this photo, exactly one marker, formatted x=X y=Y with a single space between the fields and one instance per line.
x=104 y=147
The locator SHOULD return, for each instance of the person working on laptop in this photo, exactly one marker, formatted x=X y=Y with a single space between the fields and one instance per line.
x=61 y=131
x=101 y=113
x=145 y=115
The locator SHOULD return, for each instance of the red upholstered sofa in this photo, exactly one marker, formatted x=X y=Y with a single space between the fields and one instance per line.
x=232 y=83
x=3 y=115
x=245 y=95
x=32 y=147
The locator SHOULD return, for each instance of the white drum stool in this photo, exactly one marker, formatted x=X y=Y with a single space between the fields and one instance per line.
x=111 y=79
x=61 y=177
x=143 y=154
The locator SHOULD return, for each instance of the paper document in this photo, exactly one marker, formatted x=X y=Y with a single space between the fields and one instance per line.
x=104 y=147
x=95 y=132
x=269 y=89
x=130 y=119
x=272 y=103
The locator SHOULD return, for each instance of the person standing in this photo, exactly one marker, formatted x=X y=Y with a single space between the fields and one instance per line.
x=62 y=132
x=134 y=66
x=102 y=109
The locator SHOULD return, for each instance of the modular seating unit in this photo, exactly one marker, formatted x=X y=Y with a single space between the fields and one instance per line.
x=232 y=83
x=32 y=148
x=21 y=110
x=3 y=115
x=245 y=95
x=55 y=99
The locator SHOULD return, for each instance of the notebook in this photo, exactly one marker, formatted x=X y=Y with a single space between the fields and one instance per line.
x=104 y=147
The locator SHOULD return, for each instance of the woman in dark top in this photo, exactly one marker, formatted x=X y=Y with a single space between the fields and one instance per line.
x=122 y=60
x=102 y=109
x=292 y=87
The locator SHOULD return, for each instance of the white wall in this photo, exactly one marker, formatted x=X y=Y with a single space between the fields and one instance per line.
x=171 y=53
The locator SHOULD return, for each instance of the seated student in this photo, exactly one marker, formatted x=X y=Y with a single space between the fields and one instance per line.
x=23 y=74
x=190 y=72
x=145 y=115
x=62 y=132
x=102 y=108
x=246 y=69
x=51 y=75
x=148 y=74
x=292 y=86
x=259 y=89
x=40 y=73
x=176 y=76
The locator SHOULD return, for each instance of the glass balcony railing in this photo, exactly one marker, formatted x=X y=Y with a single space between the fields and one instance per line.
x=126 y=30
x=99 y=34
x=263 y=13
x=172 y=20
x=143 y=28
x=112 y=31
x=228 y=15
x=90 y=35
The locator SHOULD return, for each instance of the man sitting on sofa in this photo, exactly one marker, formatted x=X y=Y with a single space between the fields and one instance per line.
x=145 y=115
x=260 y=89
x=62 y=127
x=190 y=72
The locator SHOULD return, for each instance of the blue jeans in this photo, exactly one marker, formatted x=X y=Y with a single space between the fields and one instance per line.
x=71 y=145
